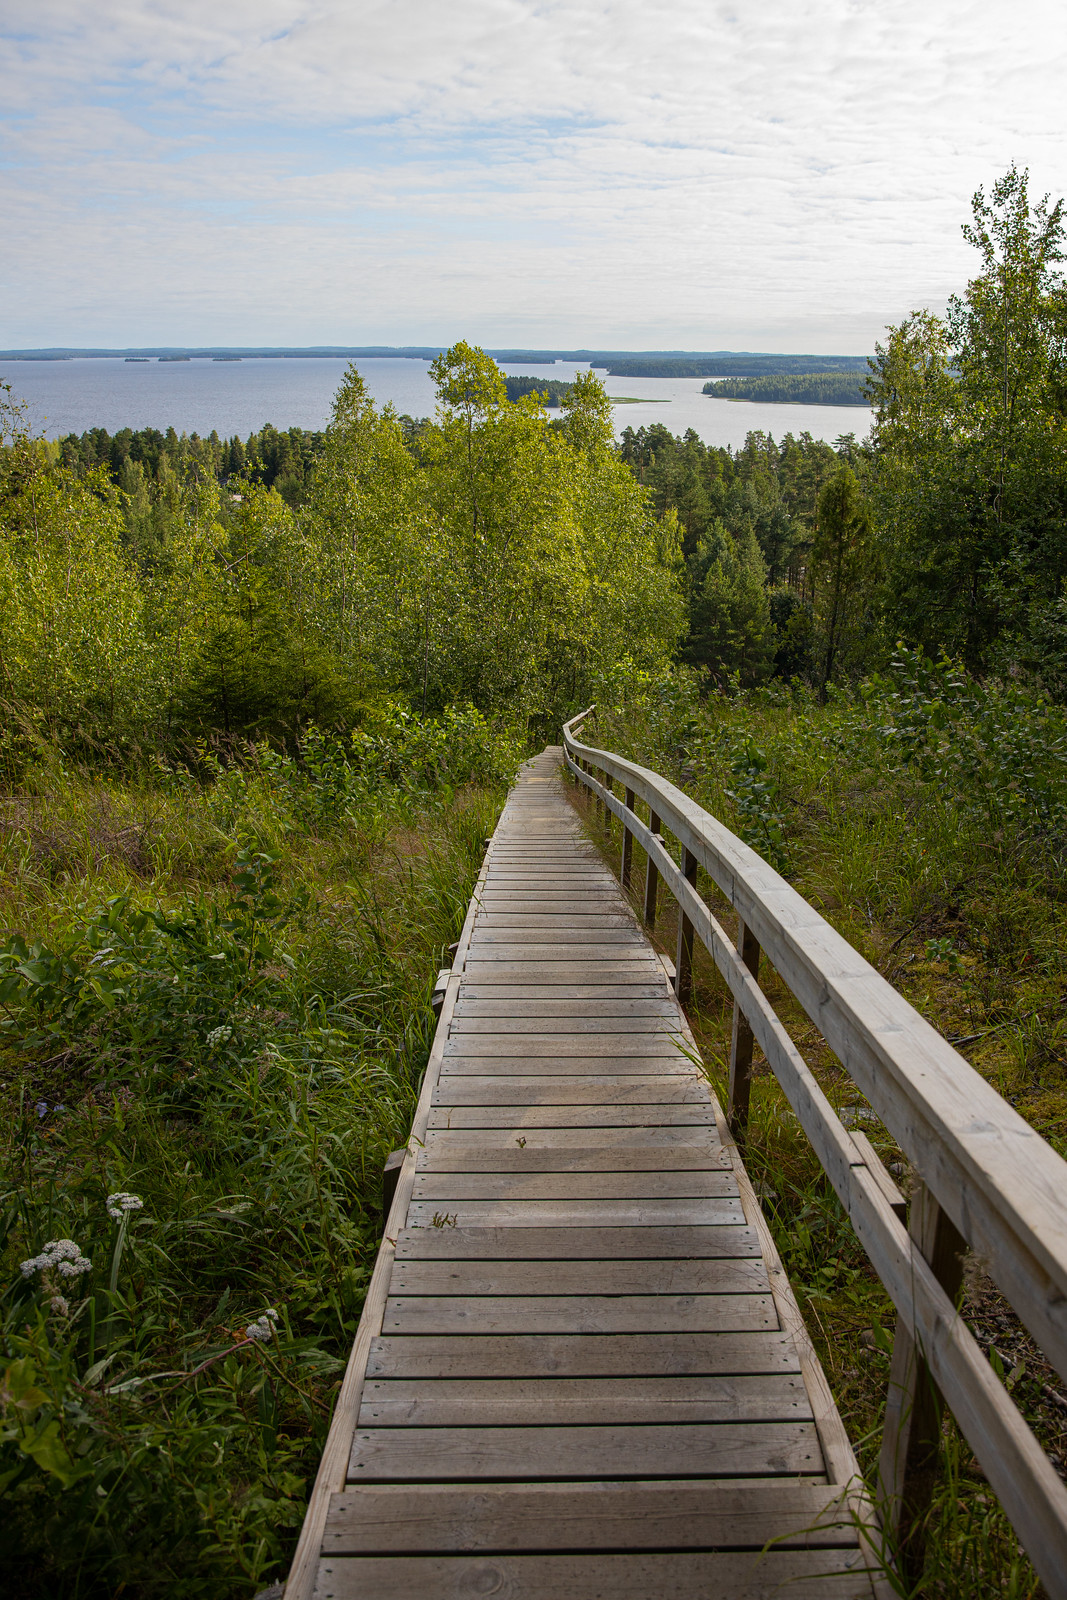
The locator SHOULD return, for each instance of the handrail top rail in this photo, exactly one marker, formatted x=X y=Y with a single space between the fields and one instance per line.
x=1001 y=1182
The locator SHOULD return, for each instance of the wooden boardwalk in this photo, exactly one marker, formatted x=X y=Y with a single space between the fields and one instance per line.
x=581 y=1372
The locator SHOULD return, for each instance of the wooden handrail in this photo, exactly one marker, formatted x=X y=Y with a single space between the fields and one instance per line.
x=997 y=1181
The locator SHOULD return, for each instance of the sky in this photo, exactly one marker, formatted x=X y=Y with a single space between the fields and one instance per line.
x=786 y=175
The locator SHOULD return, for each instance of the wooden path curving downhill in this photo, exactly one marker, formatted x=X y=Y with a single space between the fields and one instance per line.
x=581 y=1372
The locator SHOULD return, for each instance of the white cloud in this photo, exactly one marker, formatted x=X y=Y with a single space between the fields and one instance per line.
x=790 y=174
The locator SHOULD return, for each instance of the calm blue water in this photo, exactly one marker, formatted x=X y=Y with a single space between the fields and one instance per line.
x=240 y=397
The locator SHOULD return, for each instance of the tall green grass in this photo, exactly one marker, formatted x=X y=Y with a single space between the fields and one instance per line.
x=215 y=991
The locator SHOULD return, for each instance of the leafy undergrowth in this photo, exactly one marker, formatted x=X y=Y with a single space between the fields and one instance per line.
x=926 y=818
x=215 y=989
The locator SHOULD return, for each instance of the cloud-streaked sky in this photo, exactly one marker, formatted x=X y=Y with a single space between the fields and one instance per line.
x=787 y=175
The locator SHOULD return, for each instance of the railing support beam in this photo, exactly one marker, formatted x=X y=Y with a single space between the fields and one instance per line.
x=683 y=980
x=626 y=863
x=909 y=1462
x=740 y=1087
x=651 y=878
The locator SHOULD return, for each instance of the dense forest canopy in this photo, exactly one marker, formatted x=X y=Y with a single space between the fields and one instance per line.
x=729 y=366
x=811 y=389
x=154 y=587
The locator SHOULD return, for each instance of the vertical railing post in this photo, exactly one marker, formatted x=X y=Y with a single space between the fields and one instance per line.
x=740 y=1090
x=683 y=965
x=609 y=815
x=627 y=845
x=651 y=877
x=911 y=1438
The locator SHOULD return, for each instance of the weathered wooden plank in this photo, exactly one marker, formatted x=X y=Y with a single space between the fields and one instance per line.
x=707 y=1241
x=537 y=1023
x=689 y=1184
x=521 y=1117
x=554 y=899
x=539 y=1044
x=659 y=1066
x=514 y=1007
x=561 y=1314
x=512 y=1090
x=581 y=1402
x=580 y=955
x=736 y=1275
x=575 y=1213
x=613 y=940
x=740 y=1575
x=631 y=1355
x=637 y=991
x=528 y=928
x=713 y=1450
x=681 y=1515
x=449 y=1155
x=607 y=1138
x=549 y=971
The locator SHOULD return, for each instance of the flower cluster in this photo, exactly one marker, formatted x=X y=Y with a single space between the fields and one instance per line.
x=118 y=1205
x=218 y=1036
x=59 y=1255
x=263 y=1327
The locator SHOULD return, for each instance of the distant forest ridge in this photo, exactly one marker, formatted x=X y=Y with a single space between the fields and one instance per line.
x=737 y=365
x=809 y=389
x=619 y=363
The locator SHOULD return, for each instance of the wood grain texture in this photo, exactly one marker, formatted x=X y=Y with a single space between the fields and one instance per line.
x=452 y=1153
x=614 y=1185
x=577 y=1356
x=722 y=1275
x=585 y=1314
x=581 y=1402
x=746 y=1575
x=519 y=1118
x=572 y=1213
x=646 y=1243
x=711 y=1450
x=394 y=1518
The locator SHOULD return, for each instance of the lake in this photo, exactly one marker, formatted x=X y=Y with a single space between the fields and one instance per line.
x=241 y=396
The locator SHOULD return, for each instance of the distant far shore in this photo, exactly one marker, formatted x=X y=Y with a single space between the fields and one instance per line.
x=618 y=363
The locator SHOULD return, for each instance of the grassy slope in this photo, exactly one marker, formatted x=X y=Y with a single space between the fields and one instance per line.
x=914 y=844
x=245 y=1071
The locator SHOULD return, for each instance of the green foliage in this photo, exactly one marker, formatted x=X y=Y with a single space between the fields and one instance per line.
x=236 y=1044
x=841 y=570
x=550 y=391
x=501 y=562
x=730 y=618
x=813 y=389
x=970 y=448
x=144 y=460
x=486 y=558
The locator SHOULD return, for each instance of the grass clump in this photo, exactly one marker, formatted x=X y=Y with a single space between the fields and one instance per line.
x=215 y=1012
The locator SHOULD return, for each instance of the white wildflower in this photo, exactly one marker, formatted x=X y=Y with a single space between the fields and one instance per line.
x=59 y=1255
x=263 y=1328
x=60 y=1305
x=119 y=1204
x=218 y=1036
